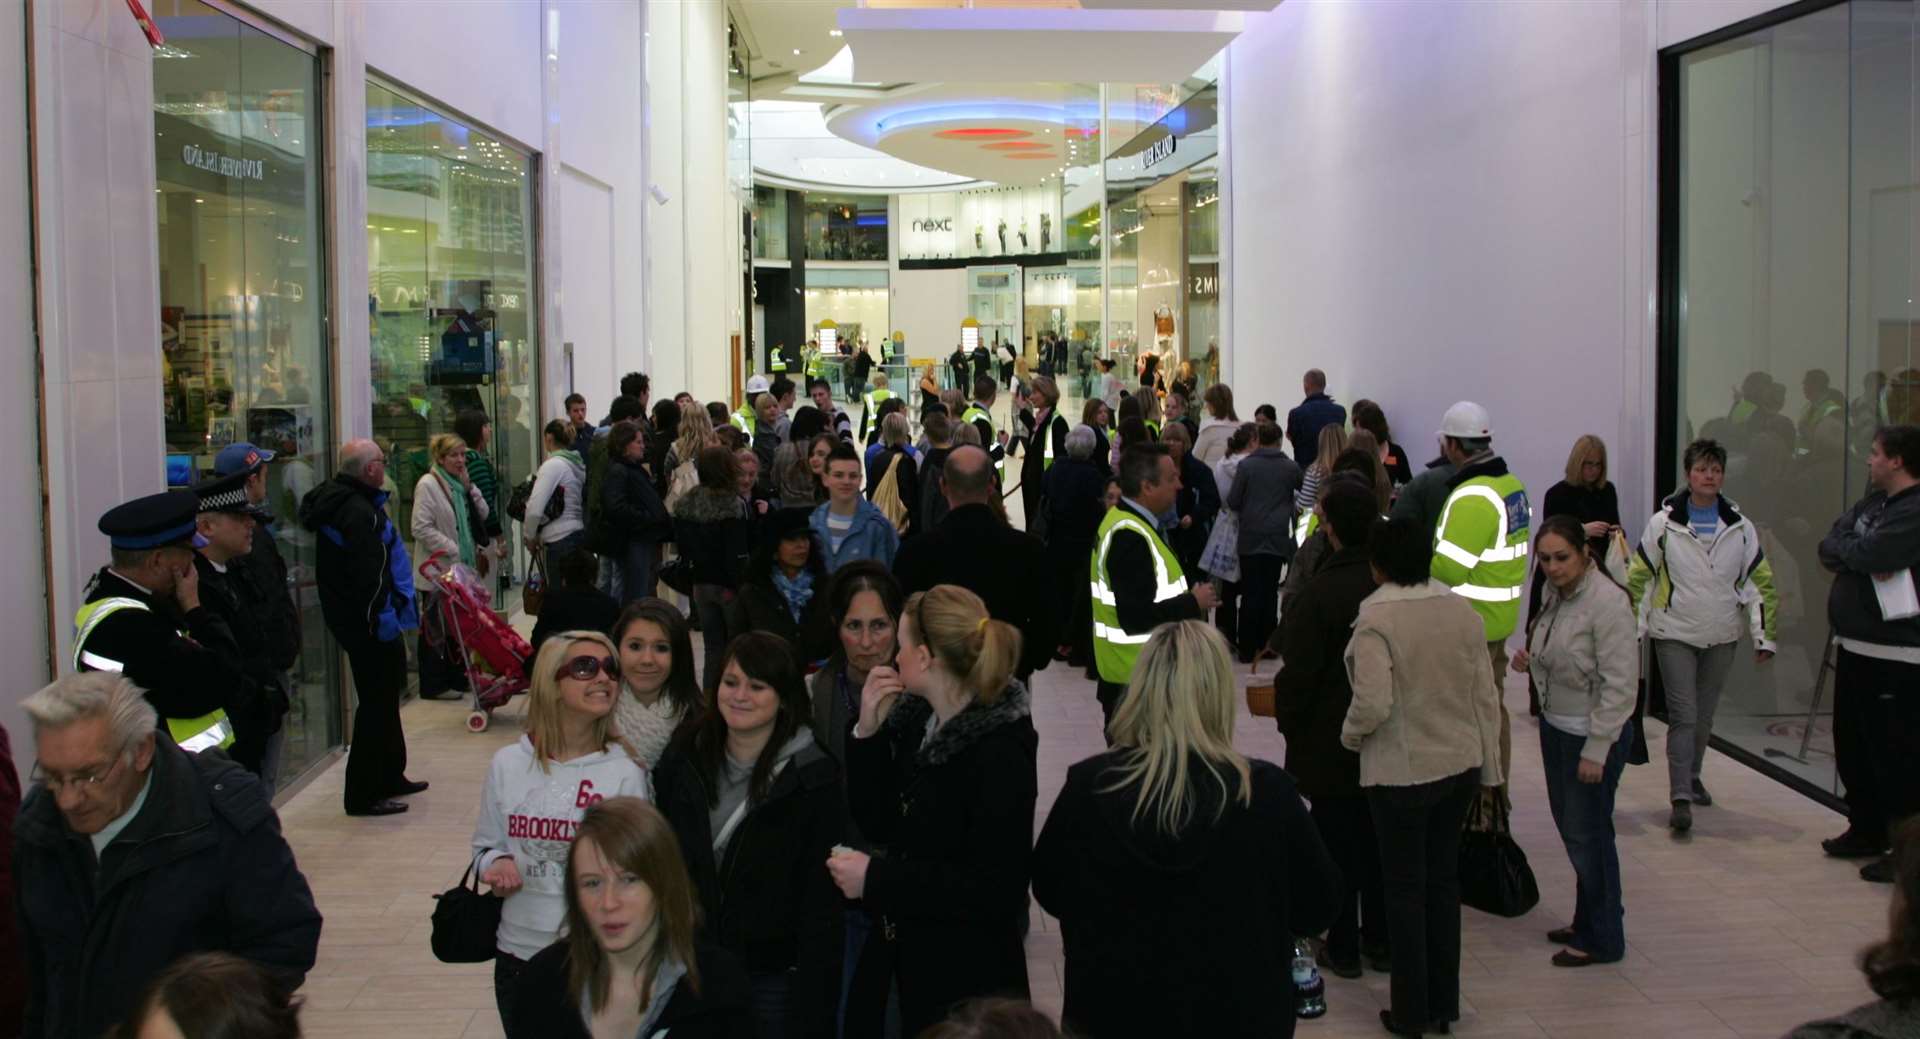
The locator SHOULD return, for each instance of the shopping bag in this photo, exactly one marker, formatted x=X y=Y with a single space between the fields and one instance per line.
x=1494 y=875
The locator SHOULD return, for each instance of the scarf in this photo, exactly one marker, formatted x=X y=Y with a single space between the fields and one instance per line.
x=457 y=497
x=797 y=590
x=570 y=455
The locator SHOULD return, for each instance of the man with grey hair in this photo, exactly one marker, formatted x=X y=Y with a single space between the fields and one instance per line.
x=366 y=595
x=131 y=853
x=975 y=548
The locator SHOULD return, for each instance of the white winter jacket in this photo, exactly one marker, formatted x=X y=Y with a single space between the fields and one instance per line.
x=558 y=472
x=531 y=815
x=1693 y=591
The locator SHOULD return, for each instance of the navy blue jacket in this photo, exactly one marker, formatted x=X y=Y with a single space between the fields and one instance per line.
x=1305 y=422
x=364 y=573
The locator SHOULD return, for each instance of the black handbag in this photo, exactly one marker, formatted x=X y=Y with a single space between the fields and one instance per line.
x=465 y=922
x=1494 y=875
x=677 y=574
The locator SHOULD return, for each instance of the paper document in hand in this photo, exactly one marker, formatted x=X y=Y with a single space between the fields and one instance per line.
x=1897 y=598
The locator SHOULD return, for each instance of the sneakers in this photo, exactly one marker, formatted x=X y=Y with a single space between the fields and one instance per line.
x=1879 y=871
x=1682 y=818
x=1700 y=795
x=1854 y=845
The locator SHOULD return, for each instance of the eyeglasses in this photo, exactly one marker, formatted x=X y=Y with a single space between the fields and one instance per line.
x=585 y=668
x=87 y=782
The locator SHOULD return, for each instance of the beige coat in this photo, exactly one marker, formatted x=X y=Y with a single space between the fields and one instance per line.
x=1584 y=651
x=1424 y=706
x=435 y=527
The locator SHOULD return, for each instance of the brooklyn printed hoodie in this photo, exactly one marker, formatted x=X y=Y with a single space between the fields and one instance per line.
x=531 y=815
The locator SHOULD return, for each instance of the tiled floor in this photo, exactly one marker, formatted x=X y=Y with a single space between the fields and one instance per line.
x=1743 y=930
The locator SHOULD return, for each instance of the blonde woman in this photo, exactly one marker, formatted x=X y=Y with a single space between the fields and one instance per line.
x=450 y=516
x=696 y=434
x=539 y=787
x=1180 y=870
x=940 y=771
x=1333 y=440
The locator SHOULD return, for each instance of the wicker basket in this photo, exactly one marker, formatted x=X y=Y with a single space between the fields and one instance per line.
x=1260 y=690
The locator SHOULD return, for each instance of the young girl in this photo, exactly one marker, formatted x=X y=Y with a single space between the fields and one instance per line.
x=630 y=964
x=657 y=687
x=757 y=806
x=539 y=787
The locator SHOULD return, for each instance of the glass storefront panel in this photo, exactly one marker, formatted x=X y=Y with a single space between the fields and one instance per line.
x=450 y=286
x=243 y=293
x=1793 y=315
x=769 y=224
x=854 y=300
x=846 y=227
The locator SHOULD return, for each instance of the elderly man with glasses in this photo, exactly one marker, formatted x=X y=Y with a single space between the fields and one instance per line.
x=131 y=853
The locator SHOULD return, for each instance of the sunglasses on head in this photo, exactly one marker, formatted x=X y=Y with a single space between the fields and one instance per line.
x=585 y=668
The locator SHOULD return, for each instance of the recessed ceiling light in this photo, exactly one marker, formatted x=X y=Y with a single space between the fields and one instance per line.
x=834 y=32
x=796 y=52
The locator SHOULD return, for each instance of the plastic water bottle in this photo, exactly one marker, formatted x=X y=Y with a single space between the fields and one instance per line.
x=1309 y=989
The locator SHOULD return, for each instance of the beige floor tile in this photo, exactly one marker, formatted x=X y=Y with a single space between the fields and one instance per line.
x=385 y=1024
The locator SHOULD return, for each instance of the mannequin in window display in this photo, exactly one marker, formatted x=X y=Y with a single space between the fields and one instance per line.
x=1003 y=236
x=1023 y=234
x=979 y=243
x=1046 y=231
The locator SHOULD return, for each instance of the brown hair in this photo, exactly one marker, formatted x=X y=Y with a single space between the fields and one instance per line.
x=1219 y=400
x=624 y=432
x=1893 y=966
x=633 y=836
x=718 y=470
x=994 y=1019
x=216 y=995
x=953 y=624
x=1588 y=446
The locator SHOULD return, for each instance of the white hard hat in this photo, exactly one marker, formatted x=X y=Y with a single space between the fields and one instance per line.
x=1468 y=421
x=758 y=384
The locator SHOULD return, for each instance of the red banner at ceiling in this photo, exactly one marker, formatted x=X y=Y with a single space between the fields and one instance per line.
x=146 y=24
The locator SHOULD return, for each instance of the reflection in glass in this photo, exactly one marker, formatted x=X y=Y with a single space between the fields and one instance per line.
x=243 y=294
x=846 y=227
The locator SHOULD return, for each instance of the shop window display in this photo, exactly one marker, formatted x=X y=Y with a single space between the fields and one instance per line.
x=846 y=227
x=452 y=297
x=243 y=295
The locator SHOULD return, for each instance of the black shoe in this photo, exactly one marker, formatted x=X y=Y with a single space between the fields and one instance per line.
x=1561 y=936
x=410 y=786
x=1348 y=969
x=1853 y=845
x=1682 y=819
x=1567 y=958
x=1879 y=871
x=1700 y=795
x=1380 y=958
x=379 y=808
x=444 y=694
x=1440 y=1027
x=1386 y=1021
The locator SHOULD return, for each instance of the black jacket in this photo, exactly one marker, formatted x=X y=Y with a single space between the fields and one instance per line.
x=1305 y=422
x=546 y=1007
x=574 y=609
x=1133 y=577
x=1007 y=568
x=1200 y=499
x=906 y=481
x=184 y=675
x=770 y=900
x=260 y=705
x=933 y=505
x=1311 y=693
x=1034 y=468
x=759 y=606
x=956 y=818
x=712 y=532
x=1184 y=935
x=1880 y=534
x=364 y=575
x=1076 y=501
x=630 y=509
x=265 y=572
x=1586 y=504
x=201 y=868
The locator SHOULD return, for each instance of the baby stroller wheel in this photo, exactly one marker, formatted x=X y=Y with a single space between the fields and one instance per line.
x=478 y=721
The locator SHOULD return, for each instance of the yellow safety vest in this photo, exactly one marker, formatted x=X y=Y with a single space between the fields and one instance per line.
x=207 y=732
x=744 y=420
x=1046 y=442
x=975 y=411
x=1114 y=650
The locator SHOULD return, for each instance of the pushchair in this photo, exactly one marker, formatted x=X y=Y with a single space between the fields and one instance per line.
x=494 y=655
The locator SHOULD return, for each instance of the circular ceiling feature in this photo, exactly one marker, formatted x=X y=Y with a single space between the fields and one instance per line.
x=1042 y=156
x=1017 y=146
x=982 y=133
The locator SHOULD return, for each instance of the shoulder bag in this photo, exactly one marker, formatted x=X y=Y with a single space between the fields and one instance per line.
x=465 y=922
x=1494 y=875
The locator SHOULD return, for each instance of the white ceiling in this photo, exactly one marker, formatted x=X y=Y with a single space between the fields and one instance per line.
x=1012 y=45
x=790 y=142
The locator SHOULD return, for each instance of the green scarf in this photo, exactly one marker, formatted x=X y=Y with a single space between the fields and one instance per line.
x=570 y=455
x=457 y=494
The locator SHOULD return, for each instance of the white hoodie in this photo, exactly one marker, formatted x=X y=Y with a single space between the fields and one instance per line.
x=531 y=815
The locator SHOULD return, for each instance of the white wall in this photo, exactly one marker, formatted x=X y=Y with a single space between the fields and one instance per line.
x=1435 y=202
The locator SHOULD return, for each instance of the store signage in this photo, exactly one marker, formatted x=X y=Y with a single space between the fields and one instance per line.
x=1158 y=152
x=1203 y=282
x=942 y=224
x=224 y=165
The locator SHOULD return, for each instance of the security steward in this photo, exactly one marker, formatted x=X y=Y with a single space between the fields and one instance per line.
x=228 y=530
x=143 y=618
x=980 y=413
x=1137 y=581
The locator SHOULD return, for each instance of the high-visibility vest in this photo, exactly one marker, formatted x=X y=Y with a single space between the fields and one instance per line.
x=1480 y=548
x=1304 y=527
x=1114 y=650
x=1153 y=429
x=1046 y=443
x=207 y=732
x=870 y=419
x=744 y=420
x=976 y=412
x=779 y=363
x=813 y=364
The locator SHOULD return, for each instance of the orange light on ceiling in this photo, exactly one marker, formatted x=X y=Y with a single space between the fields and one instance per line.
x=1016 y=146
x=1042 y=156
x=982 y=133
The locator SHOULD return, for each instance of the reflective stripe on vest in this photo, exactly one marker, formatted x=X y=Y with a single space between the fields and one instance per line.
x=743 y=420
x=975 y=411
x=779 y=362
x=1304 y=527
x=1497 y=573
x=1046 y=443
x=212 y=730
x=1114 y=649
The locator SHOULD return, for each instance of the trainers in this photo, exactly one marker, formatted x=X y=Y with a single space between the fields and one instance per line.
x=1879 y=871
x=1700 y=795
x=1853 y=845
x=1682 y=819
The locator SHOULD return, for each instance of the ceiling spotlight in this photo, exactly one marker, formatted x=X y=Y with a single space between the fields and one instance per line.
x=796 y=52
x=834 y=32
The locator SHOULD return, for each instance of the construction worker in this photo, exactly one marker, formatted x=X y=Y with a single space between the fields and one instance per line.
x=869 y=419
x=746 y=416
x=1480 y=546
x=136 y=607
x=1137 y=581
x=980 y=413
x=777 y=359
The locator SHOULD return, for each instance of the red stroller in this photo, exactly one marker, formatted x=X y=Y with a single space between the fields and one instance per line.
x=494 y=655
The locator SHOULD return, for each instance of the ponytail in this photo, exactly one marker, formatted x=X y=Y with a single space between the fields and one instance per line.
x=970 y=645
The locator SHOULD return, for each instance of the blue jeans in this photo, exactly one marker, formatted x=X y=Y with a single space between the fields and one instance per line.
x=1584 y=814
x=636 y=570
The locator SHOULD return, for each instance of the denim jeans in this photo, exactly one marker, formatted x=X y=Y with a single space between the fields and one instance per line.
x=1693 y=678
x=710 y=601
x=507 y=969
x=1584 y=814
x=636 y=571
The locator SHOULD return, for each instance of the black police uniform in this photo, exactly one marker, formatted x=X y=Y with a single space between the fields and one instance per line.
x=228 y=592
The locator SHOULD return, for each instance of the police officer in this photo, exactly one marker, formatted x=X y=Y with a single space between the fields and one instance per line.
x=1480 y=546
x=135 y=612
x=227 y=527
x=1137 y=580
x=268 y=579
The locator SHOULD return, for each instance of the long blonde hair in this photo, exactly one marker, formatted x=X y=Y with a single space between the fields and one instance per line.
x=696 y=431
x=1365 y=441
x=978 y=650
x=1333 y=440
x=1588 y=446
x=545 y=713
x=1179 y=705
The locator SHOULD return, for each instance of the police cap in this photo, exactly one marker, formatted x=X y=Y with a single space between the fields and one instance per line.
x=155 y=521
x=223 y=493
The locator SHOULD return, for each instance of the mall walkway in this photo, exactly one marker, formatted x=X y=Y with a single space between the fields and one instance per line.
x=1745 y=930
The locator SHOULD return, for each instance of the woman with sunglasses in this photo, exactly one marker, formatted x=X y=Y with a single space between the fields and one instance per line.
x=658 y=690
x=757 y=806
x=944 y=778
x=539 y=787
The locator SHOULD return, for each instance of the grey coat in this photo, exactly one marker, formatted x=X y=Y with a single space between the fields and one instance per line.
x=1585 y=658
x=1882 y=1019
x=1262 y=495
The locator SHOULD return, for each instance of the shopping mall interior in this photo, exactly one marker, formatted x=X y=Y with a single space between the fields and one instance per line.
x=295 y=223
